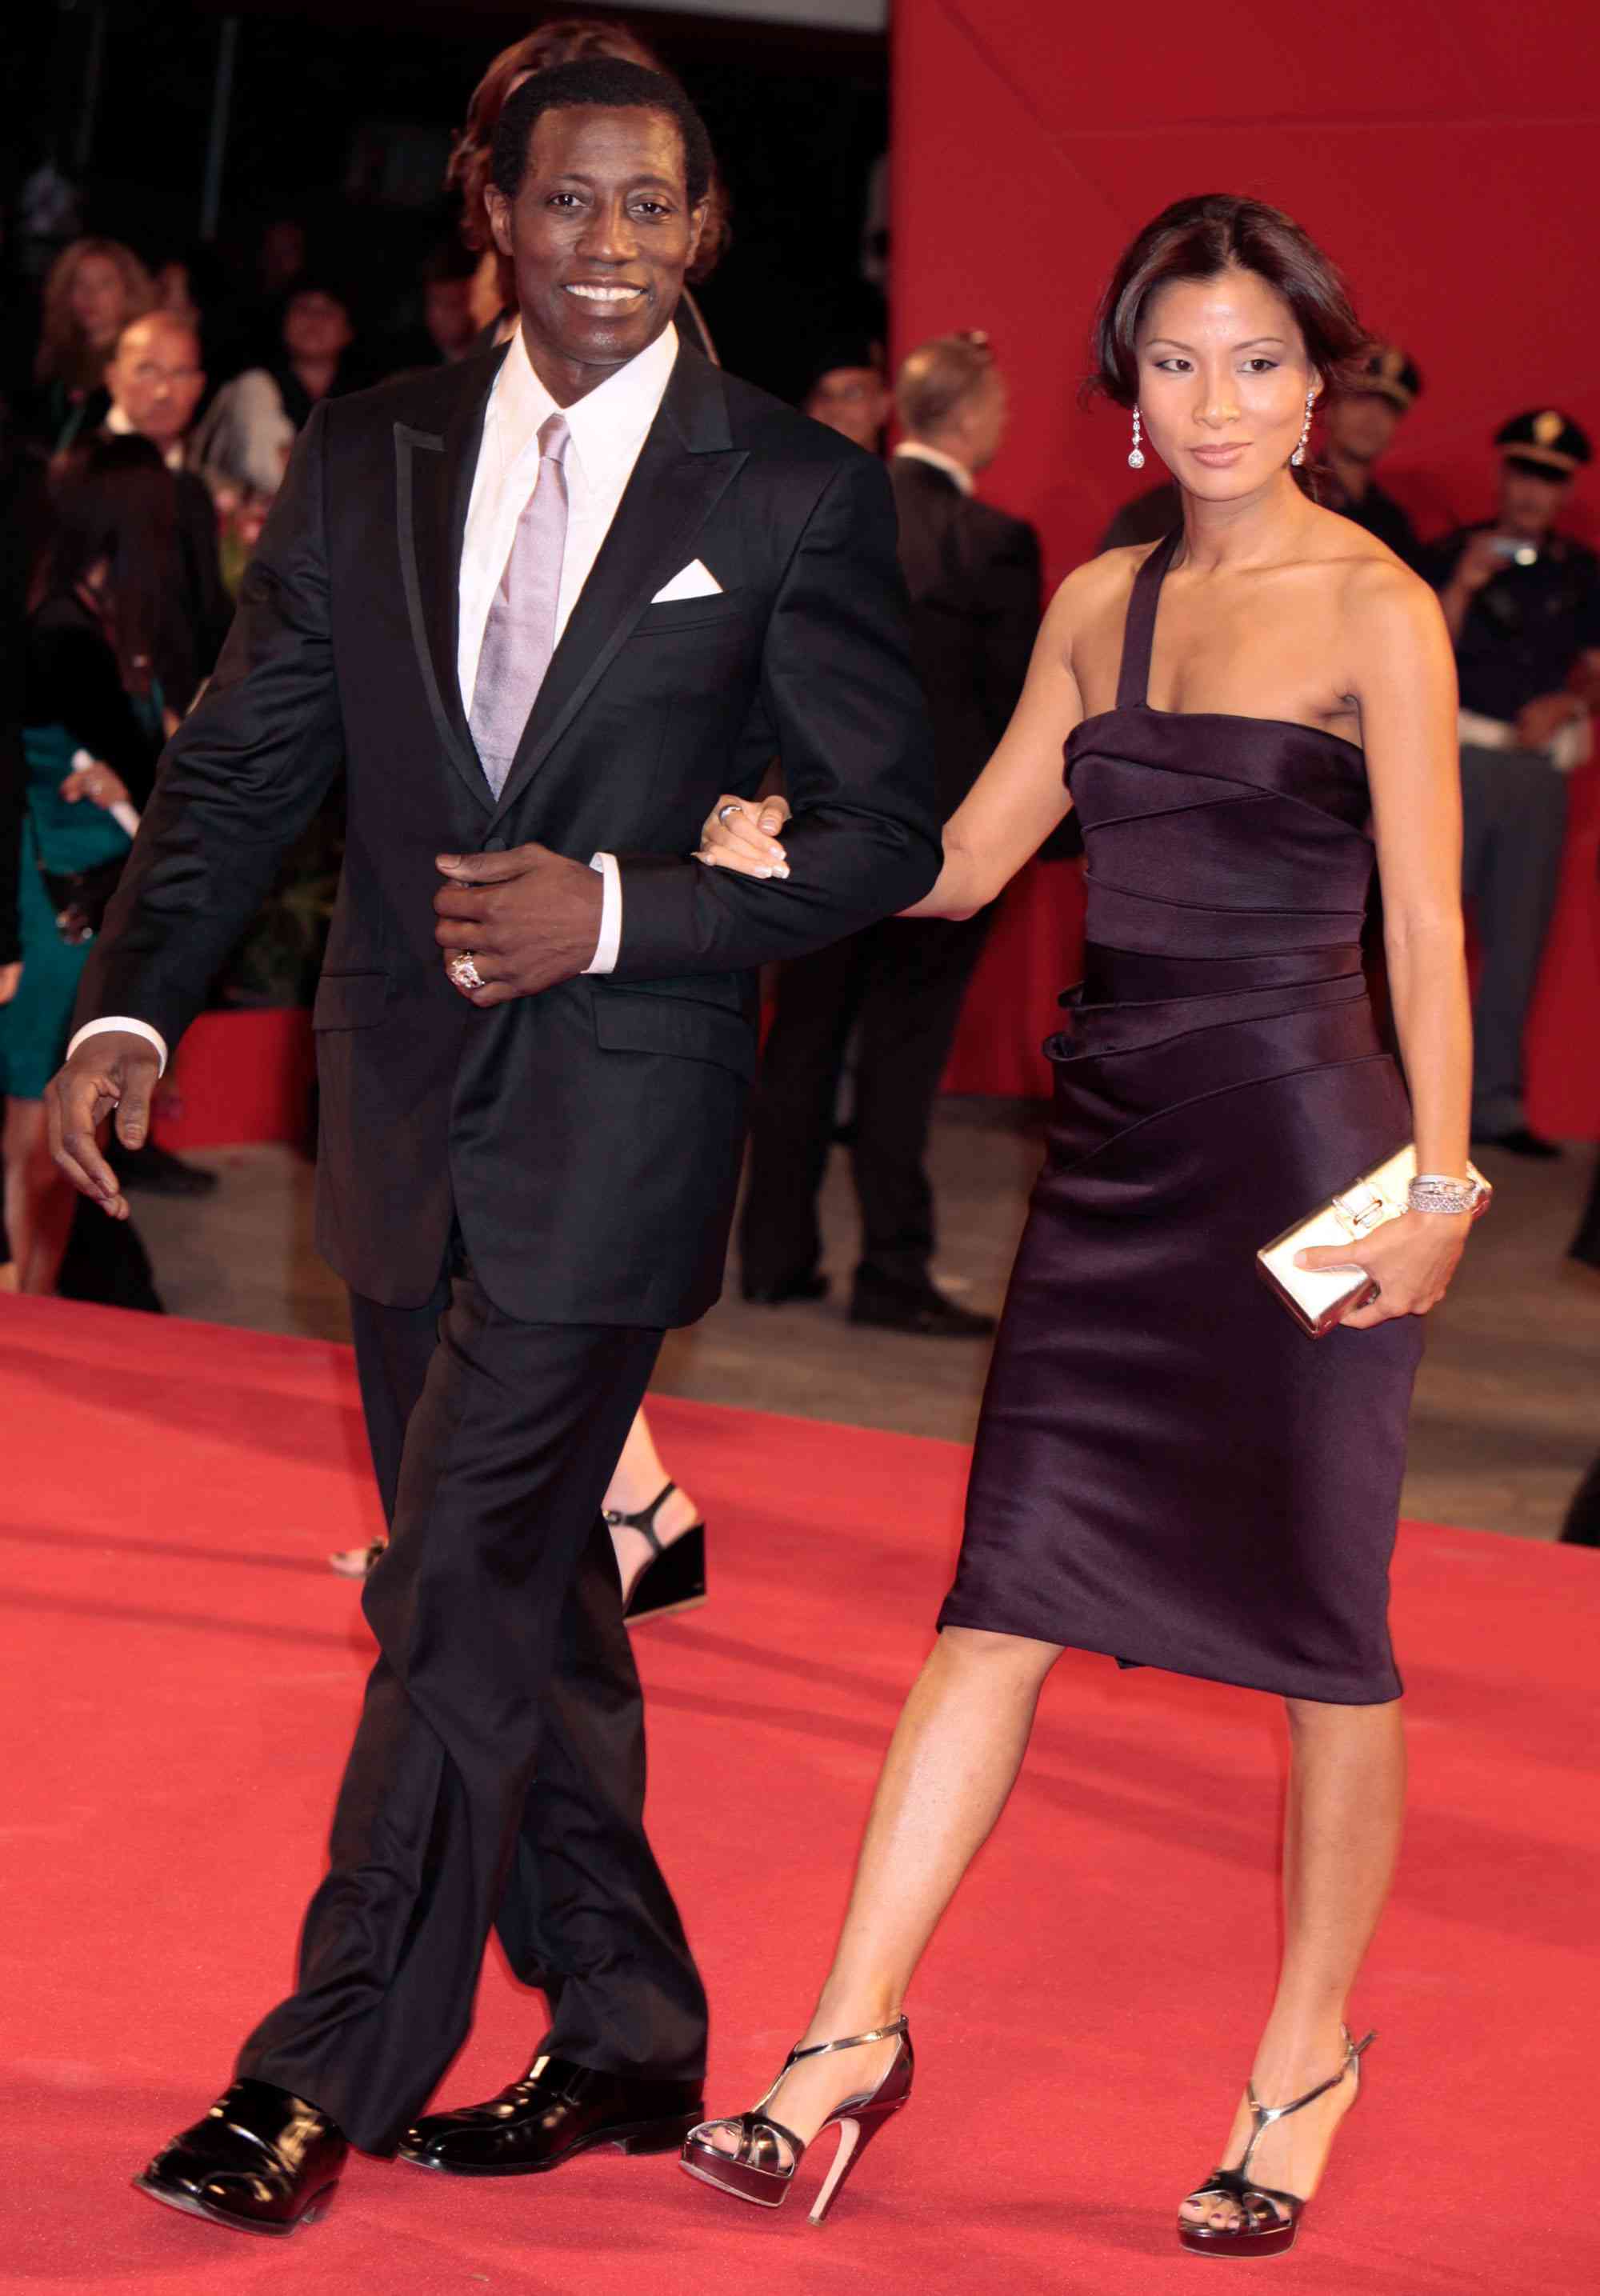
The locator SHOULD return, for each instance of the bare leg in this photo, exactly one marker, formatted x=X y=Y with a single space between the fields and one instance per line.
x=39 y=1201
x=638 y=1476
x=1347 y=1784
x=951 y=1765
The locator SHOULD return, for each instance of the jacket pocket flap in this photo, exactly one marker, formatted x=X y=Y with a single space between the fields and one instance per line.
x=350 y=1000
x=625 y=1023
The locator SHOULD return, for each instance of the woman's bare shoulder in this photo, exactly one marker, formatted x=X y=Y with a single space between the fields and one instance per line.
x=1387 y=616
x=1099 y=586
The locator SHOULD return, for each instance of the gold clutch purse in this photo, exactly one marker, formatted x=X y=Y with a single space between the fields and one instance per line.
x=1319 y=1297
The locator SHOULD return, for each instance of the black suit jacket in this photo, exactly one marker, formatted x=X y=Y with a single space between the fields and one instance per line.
x=587 y=1139
x=973 y=574
x=209 y=608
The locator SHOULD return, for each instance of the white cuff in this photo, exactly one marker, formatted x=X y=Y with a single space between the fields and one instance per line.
x=132 y=1028
x=606 y=947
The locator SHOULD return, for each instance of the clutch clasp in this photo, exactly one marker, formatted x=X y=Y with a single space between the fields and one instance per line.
x=1360 y=1208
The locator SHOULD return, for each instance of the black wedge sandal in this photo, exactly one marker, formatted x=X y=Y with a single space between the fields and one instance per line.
x=675 y=1576
x=758 y=2172
x=1268 y=2220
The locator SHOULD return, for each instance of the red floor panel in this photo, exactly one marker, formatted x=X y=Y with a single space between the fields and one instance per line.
x=179 y=1676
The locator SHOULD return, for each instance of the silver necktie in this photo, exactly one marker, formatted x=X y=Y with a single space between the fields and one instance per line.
x=519 y=637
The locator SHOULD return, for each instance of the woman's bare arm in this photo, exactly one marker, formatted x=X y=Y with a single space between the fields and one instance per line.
x=1401 y=669
x=1404 y=678
x=1016 y=801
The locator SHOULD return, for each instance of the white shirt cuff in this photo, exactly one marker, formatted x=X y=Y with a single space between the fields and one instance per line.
x=606 y=947
x=135 y=1028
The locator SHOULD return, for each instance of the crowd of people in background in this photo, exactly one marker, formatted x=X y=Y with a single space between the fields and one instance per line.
x=136 y=470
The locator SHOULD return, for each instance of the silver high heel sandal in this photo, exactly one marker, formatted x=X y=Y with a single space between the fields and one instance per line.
x=756 y=2171
x=1267 y=2220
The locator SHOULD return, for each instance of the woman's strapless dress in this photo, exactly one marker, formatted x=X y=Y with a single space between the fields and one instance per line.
x=1167 y=1469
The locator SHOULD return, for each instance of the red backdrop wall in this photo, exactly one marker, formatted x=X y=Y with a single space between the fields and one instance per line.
x=1443 y=153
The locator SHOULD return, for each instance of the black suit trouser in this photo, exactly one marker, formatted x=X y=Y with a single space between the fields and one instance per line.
x=899 y=986
x=497 y=1774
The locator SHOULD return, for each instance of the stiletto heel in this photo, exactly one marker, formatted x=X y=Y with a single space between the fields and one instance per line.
x=1268 y=2219
x=757 y=2172
x=675 y=1576
x=856 y=2133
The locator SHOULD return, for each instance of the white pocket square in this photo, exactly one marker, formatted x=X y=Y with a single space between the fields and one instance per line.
x=695 y=581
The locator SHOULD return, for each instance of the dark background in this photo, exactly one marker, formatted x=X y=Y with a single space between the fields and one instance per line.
x=341 y=116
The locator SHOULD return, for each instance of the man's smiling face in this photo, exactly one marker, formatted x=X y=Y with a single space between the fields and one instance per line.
x=600 y=235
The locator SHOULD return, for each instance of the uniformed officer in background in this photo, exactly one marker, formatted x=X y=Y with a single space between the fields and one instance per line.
x=1522 y=602
x=1361 y=424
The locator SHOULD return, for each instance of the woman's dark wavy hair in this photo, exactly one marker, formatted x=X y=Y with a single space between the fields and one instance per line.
x=563 y=40
x=1221 y=231
x=112 y=503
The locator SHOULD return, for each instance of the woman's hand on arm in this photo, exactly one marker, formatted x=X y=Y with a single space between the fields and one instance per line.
x=745 y=836
x=1403 y=676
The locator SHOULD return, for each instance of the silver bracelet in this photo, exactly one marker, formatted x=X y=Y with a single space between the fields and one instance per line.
x=1442 y=1192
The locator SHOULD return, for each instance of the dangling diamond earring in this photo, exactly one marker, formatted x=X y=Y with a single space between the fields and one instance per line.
x=1136 y=460
x=1298 y=455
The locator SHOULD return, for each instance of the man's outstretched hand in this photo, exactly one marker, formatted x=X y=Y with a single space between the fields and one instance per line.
x=529 y=918
x=112 y=1069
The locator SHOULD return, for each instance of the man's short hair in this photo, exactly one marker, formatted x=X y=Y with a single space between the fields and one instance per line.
x=170 y=323
x=937 y=376
x=610 y=84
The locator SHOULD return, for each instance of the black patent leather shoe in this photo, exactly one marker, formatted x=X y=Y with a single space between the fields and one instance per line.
x=924 y=1310
x=261 y=2161
x=556 y=2110
x=809 y=1286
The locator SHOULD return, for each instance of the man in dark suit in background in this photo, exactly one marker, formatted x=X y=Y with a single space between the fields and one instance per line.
x=542 y=604
x=156 y=380
x=973 y=574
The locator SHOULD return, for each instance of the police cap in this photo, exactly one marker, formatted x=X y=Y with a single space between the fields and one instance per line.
x=1546 y=442
x=1389 y=373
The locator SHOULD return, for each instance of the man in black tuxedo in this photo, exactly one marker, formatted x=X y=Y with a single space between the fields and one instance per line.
x=542 y=605
x=973 y=575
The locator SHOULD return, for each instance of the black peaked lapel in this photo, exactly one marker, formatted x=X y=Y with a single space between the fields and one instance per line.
x=433 y=485
x=685 y=466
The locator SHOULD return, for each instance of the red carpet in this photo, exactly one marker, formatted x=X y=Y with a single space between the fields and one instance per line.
x=179 y=1679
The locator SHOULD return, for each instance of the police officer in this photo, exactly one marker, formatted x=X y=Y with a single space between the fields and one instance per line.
x=1522 y=602
x=1361 y=424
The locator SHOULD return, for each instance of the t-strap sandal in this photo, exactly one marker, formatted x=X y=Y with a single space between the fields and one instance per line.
x=675 y=1576
x=758 y=2171
x=1267 y=2220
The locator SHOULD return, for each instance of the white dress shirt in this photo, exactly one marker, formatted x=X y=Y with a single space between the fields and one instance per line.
x=609 y=427
x=119 y=421
x=916 y=450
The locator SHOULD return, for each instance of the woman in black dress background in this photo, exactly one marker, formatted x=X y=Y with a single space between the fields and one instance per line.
x=1167 y=1470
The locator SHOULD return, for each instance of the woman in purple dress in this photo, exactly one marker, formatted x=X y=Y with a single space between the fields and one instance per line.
x=1167 y=1471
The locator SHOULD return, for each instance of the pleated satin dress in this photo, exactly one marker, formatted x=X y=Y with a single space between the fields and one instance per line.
x=1168 y=1469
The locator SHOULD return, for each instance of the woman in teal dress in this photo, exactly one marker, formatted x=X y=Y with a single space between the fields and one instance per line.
x=91 y=690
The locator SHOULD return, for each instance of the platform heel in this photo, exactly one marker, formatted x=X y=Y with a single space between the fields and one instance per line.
x=756 y=2171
